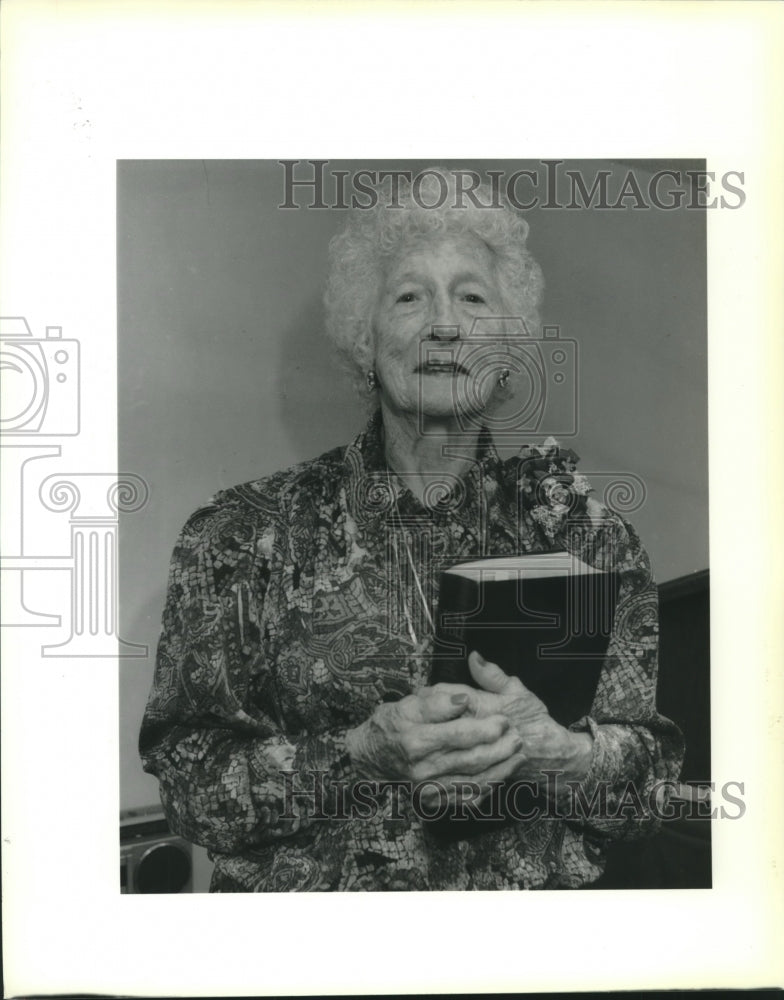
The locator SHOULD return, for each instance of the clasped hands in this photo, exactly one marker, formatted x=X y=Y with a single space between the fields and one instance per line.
x=459 y=737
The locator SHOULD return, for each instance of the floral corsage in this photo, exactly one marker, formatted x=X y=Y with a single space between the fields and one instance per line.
x=551 y=487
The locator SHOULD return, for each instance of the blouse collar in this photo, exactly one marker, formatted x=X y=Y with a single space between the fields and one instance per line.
x=540 y=479
x=374 y=491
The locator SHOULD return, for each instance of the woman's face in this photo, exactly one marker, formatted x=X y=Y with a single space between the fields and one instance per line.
x=433 y=290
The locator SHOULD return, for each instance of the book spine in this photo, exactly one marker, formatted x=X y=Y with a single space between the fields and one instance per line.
x=450 y=653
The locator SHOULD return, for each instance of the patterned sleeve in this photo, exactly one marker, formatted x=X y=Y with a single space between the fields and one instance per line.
x=636 y=751
x=210 y=732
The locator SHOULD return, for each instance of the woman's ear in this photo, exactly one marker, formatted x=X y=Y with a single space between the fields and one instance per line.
x=367 y=349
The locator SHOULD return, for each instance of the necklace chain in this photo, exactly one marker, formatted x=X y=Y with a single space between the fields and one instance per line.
x=399 y=524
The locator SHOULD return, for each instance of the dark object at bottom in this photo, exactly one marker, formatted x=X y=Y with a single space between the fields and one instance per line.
x=679 y=857
x=152 y=858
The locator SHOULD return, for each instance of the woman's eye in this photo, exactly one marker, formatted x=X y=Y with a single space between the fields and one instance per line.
x=406 y=297
x=474 y=298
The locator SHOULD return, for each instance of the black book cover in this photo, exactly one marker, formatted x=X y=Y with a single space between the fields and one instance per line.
x=546 y=618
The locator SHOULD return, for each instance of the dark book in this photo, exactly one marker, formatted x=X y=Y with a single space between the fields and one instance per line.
x=545 y=618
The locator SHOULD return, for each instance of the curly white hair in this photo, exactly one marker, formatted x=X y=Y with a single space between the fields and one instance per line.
x=357 y=257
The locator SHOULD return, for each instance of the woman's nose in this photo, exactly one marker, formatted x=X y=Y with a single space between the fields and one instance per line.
x=444 y=324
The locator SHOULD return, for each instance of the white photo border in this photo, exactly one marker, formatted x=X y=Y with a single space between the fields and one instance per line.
x=86 y=85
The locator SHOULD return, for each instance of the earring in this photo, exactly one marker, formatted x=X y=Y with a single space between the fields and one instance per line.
x=372 y=380
x=503 y=378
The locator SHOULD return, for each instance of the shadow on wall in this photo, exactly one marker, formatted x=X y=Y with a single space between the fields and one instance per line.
x=135 y=678
x=144 y=628
x=310 y=384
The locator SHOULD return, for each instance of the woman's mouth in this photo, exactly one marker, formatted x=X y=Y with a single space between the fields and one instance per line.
x=441 y=368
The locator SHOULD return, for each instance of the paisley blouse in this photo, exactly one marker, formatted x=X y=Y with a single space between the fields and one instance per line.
x=298 y=602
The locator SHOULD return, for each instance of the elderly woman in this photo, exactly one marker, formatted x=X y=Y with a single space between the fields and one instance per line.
x=291 y=722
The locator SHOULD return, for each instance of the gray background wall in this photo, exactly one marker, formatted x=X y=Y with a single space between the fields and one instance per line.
x=224 y=375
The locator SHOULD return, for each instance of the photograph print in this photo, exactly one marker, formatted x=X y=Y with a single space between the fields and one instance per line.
x=422 y=573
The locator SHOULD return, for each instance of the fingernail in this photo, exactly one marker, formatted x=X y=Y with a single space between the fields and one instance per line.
x=480 y=659
x=459 y=699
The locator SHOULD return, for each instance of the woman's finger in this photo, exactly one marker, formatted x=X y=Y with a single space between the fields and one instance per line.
x=449 y=788
x=484 y=780
x=489 y=676
x=462 y=733
x=475 y=761
x=442 y=706
x=444 y=687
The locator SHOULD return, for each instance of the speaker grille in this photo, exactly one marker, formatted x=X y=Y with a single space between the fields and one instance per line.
x=152 y=858
x=163 y=868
